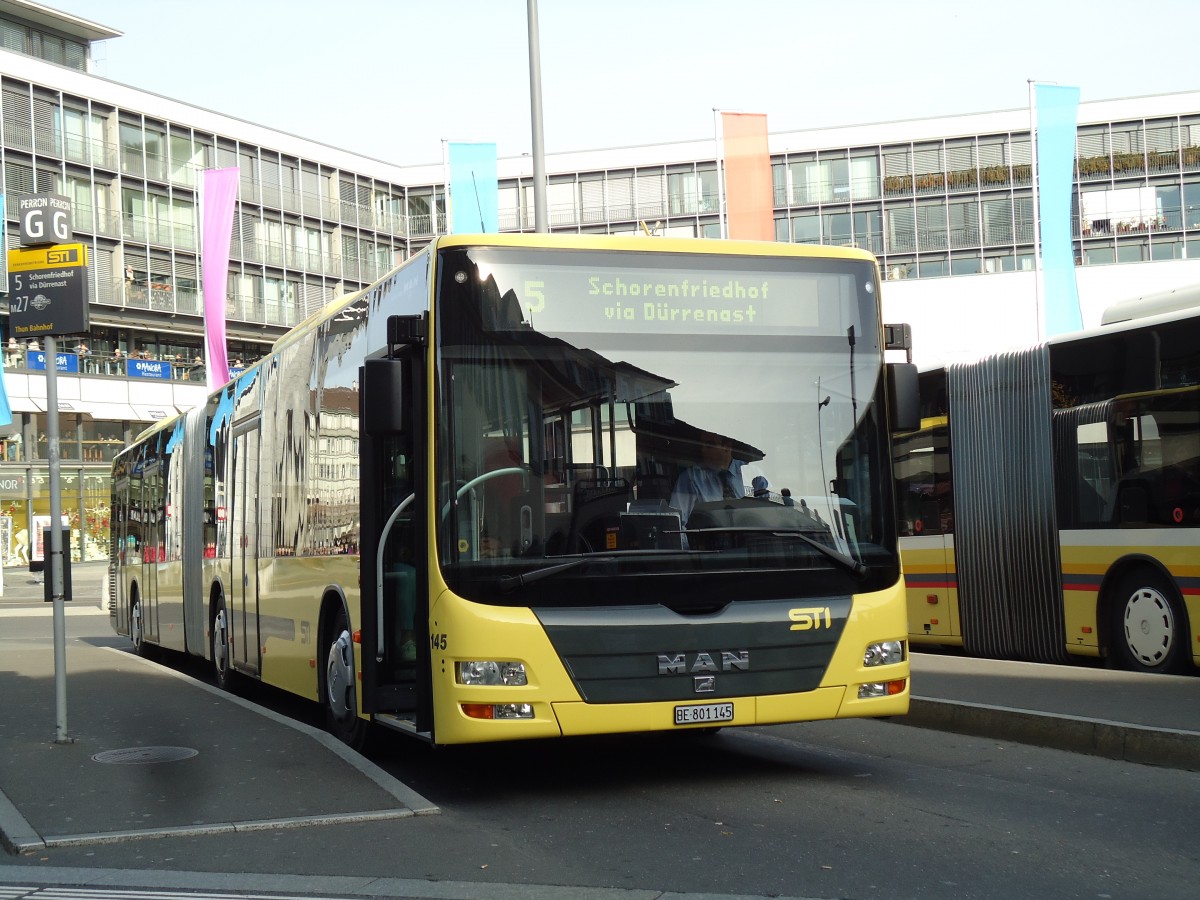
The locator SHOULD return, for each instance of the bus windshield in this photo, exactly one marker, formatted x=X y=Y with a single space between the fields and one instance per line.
x=716 y=418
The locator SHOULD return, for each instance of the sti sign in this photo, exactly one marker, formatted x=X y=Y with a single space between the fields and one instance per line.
x=44 y=219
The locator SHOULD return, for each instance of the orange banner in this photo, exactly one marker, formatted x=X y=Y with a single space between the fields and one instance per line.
x=749 y=198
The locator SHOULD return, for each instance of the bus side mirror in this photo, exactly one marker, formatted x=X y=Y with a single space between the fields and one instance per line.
x=904 y=397
x=381 y=396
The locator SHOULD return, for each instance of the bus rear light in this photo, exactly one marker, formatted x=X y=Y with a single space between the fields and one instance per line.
x=931 y=599
x=882 y=689
x=1086 y=629
x=356 y=637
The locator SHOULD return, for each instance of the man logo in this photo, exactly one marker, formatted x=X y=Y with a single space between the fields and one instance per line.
x=681 y=664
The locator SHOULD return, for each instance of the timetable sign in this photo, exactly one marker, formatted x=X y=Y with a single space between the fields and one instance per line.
x=47 y=290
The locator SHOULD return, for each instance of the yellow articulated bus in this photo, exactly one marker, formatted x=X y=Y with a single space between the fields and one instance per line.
x=530 y=486
x=1050 y=501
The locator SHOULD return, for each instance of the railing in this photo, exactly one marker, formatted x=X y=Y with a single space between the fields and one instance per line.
x=17 y=360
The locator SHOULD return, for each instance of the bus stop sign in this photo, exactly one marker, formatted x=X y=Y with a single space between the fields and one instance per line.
x=48 y=290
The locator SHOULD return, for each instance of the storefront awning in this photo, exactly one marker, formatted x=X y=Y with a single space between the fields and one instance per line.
x=109 y=412
x=106 y=412
x=152 y=413
x=25 y=404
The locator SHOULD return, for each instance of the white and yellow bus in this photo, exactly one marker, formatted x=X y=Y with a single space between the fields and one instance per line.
x=1050 y=502
x=470 y=502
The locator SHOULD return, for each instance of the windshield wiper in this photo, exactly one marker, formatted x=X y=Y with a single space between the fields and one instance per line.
x=512 y=582
x=850 y=564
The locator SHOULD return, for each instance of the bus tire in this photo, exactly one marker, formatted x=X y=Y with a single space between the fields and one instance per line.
x=1148 y=626
x=222 y=661
x=338 y=695
x=137 y=632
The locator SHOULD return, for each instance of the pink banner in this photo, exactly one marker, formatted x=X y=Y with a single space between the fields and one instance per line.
x=220 y=195
x=749 y=197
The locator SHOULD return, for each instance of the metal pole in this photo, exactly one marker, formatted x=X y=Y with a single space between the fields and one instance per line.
x=540 y=223
x=1037 y=216
x=54 y=566
x=720 y=150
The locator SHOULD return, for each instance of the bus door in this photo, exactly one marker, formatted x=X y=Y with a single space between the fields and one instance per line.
x=119 y=538
x=395 y=612
x=152 y=545
x=926 y=504
x=243 y=587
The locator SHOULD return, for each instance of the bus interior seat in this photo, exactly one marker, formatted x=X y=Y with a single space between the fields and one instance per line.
x=596 y=507
x=1133 y=504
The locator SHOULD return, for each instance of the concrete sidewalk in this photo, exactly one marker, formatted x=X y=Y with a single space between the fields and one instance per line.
x=222 y=764
x=1150 y=719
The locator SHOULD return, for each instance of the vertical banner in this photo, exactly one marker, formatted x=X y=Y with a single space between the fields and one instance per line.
x=216 y=232
x=474 y=189
x=749 y=197
x=1056 y=114
x=5 y=409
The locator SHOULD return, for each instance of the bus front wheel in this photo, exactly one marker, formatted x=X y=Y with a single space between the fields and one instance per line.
x=1149 y=625
x=338 y=695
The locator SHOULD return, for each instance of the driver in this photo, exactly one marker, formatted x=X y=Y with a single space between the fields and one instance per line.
x=716 y=476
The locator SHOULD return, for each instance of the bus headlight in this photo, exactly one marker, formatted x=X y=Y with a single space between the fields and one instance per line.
x=883 y=653
x=474 y=672
x=882 y=689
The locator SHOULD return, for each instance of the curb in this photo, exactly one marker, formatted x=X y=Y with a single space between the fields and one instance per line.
x=1164 y=747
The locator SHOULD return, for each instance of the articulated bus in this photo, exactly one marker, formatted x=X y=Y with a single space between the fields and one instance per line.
x=474 y=502
x=1050 y=502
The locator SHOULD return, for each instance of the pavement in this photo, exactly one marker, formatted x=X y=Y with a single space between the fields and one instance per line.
x=132 y=724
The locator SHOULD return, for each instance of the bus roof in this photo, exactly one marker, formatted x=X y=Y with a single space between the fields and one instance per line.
x=1175 y=300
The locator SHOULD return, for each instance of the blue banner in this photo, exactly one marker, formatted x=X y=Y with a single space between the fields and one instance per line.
x=1056 y=121
x=474 y=189
x=148 y=368
x=35 y=360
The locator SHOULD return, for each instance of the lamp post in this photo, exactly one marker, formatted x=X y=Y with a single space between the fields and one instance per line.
x=540 y=224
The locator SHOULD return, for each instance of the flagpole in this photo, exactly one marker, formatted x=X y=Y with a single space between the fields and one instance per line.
x=1037 y=215
x=720 y=153
x=540 y=223
x=446 y=180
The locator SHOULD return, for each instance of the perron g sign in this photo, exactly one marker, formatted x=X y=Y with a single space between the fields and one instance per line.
x=48 y=290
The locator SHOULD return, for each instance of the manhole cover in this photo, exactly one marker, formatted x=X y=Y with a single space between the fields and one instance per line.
x=135 y=756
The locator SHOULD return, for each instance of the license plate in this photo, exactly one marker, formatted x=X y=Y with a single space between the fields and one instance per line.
x=704 y=712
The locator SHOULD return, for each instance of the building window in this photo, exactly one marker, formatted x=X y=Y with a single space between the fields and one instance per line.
x=933 y=267
x=806 y=229
x=964 y=265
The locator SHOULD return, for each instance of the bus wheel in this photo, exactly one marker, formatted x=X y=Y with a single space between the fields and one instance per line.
x=136 y=633
x=222 y=665
x=337 y=692
x=1149 y=625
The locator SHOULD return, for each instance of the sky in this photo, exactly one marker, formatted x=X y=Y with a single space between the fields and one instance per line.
x=392 y=79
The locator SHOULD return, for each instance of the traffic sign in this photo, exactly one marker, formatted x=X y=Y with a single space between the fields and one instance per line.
x=48 y=290
x=44 y=219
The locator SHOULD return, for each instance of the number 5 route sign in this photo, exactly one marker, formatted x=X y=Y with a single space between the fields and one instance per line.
x=48 y=290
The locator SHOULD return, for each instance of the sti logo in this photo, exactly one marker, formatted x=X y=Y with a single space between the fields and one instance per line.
x=62 y=257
